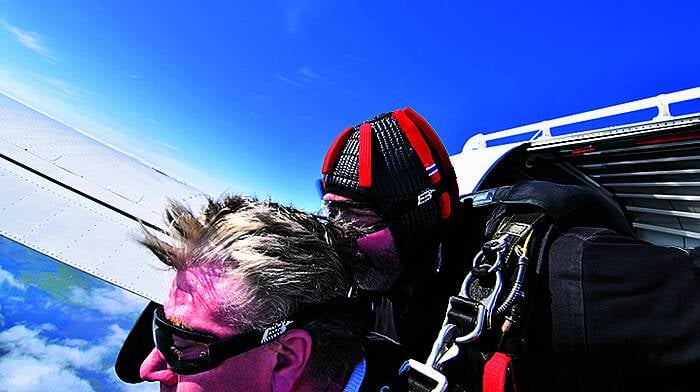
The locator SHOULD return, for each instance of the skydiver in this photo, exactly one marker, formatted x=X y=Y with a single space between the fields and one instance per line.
x=262 y=300
x=393 y=174
x=604 y=310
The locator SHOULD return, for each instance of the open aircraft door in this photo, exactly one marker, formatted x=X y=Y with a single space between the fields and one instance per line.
x=652 y=168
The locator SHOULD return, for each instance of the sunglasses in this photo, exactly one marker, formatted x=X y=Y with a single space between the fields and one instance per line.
x=191 y=352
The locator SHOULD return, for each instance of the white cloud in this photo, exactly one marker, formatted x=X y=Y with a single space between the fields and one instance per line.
x=65 y=89
x=293 y=14
x=29 y=343
x=308 y=73
x=167 y=145
x=288 y=81
x=8 y=279
x=154 y=121
x=14 y=304
x=29 y=39
x=116 y=337
x=46 y=327
x=110 y=301
x=32 y=361
x=304 y=77
x=28 y=374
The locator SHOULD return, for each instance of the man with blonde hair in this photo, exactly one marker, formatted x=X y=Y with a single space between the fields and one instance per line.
x=261 y=301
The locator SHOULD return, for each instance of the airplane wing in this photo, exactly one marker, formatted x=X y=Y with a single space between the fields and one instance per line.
x=81 y=202
x=652 y=167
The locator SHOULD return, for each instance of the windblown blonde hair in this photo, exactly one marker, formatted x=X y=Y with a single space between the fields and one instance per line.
x=285 y=258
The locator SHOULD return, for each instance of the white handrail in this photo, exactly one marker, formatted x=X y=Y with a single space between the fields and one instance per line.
x=542 y=128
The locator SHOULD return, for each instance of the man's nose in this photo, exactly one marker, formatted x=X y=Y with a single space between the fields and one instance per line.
x=154 y=368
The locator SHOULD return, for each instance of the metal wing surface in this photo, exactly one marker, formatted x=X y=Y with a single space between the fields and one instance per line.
x=82 y=202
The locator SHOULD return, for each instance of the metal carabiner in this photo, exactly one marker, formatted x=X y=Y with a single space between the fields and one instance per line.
x=485 y=307
x=445 y=346
x=497 y=246
x=446 y=337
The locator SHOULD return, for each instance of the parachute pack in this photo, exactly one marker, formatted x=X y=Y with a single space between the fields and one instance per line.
x=540 y=302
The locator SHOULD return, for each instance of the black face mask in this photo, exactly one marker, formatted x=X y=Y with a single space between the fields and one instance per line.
x=192 y=352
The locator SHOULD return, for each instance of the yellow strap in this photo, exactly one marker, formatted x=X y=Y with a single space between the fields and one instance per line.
x=522 y=250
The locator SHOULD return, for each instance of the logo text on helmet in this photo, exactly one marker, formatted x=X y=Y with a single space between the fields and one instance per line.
x=426 y=195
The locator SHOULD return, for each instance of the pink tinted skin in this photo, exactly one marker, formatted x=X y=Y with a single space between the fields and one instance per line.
x=379 y=246
x=195 y=295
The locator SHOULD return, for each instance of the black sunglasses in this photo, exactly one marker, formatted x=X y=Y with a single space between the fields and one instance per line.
x=192 y=352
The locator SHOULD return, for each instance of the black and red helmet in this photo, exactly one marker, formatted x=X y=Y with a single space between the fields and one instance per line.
x=397 y=166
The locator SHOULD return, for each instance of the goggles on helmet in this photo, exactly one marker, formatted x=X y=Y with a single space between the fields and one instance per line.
x=191 y=352
x=386 y=211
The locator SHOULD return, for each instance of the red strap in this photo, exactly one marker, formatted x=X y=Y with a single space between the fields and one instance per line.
x=418 y=143
x=445 y=206
x=426 y=132
x=365 y=160
x=334 y=151
x=431 y=136
x=495 y=373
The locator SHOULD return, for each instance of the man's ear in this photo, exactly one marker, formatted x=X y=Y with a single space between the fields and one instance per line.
x=293 y=352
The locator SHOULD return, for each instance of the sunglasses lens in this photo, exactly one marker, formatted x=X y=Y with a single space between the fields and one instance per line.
x=178 y=348
x=342 y=207
x=183 y=355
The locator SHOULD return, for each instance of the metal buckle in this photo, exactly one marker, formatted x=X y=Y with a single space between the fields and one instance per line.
x=447 y=335
x=445 y=347
x=497 y=246
x=485 y=309
x=427 y=371
x=488 y=303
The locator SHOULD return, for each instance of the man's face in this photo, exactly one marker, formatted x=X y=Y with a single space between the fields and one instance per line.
x=379 y=246
x=194 y=298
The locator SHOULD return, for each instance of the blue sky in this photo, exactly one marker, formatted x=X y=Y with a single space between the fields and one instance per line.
x=247 y=96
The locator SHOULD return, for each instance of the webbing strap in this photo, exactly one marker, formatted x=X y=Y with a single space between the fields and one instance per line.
x=517 y=227
x=448 y=172
x=365 y=156
x=496 y=372
x=418 y=142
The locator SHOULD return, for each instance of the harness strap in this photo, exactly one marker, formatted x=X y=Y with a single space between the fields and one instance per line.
x=496 y=372
x=474 y=309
